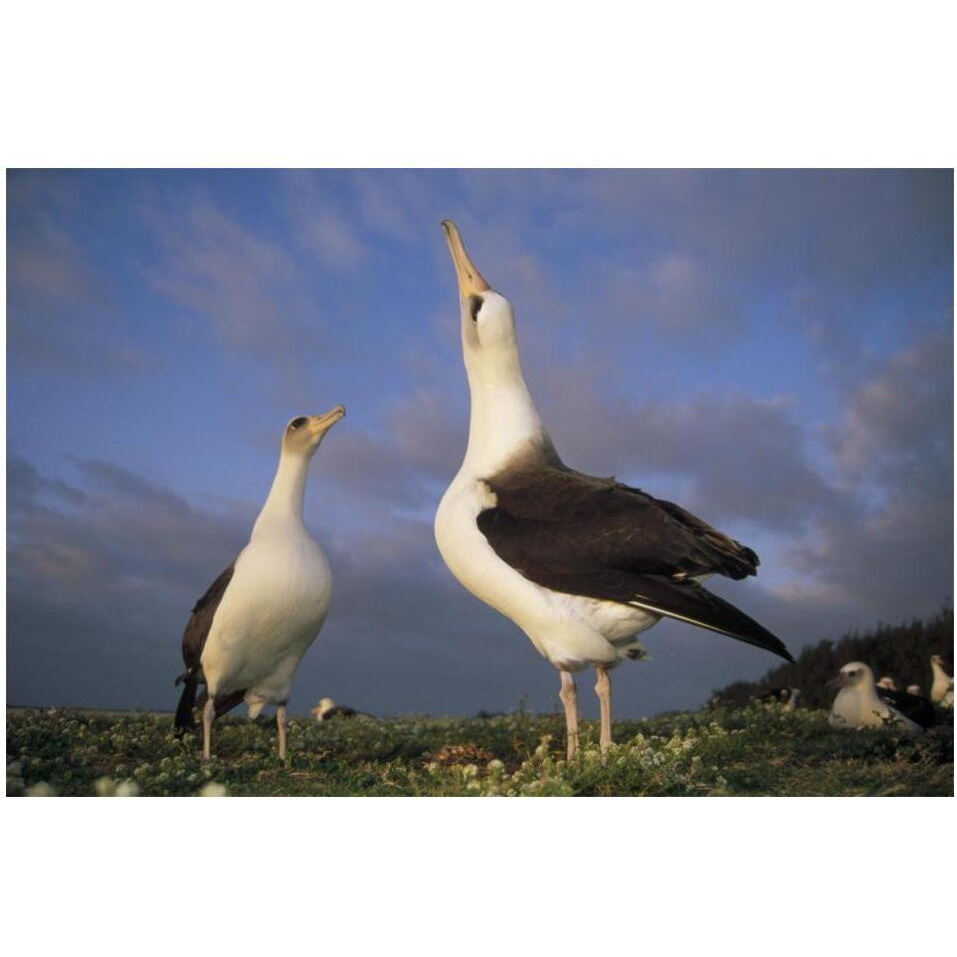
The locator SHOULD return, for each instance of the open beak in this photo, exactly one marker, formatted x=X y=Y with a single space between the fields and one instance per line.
x=323 y=423
x=471 y=281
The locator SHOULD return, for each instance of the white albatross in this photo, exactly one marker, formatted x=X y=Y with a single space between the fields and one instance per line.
x=582 y=565
x=860 y=705
x=327 y=709
x=248 y=633
x=942 y=690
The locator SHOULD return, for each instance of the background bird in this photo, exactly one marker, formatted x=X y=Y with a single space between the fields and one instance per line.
x=860 y=704
x=581 y=564
x=942 y=689
x=248 y=633
x=328 y=709
x=914 y=706
x=786 y=696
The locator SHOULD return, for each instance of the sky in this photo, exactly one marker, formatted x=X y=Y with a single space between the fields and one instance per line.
x=773 y=350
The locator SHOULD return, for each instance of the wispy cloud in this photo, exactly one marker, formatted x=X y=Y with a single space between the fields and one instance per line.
x=318 y=223
x=61 y=311
x=237 y=280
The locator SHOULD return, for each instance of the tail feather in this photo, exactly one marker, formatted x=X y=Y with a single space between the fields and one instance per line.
x=224 y=702
x=184 y=720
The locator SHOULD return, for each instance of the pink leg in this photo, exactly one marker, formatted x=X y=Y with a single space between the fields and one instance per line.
x=209 y=712
x=569 y=698
x=281 y=724
x=603 y=690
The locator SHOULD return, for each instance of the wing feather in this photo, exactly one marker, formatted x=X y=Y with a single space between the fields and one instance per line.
x=200 y=621
x=599 y=538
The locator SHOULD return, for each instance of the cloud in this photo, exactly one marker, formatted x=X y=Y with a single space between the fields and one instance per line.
x=826 y=252
x=61 y=311
x=391 y=202
x=45 y=263
x=683 y=298
x=734 y=456
x=101 y=577
x=320 y=227
x=898 y=426
x=241 y=282
x=894 y=453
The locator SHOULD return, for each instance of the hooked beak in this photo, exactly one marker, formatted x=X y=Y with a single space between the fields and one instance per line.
x=837 y=682
x=319 y=424
x=471 y=281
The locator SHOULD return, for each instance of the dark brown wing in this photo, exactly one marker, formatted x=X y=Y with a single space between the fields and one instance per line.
x=194 y=640
x=559 y=518
x=913 y=706
x=596 y=537
x=200 y=621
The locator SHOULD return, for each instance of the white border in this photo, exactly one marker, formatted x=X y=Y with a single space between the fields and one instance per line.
x=698 y=84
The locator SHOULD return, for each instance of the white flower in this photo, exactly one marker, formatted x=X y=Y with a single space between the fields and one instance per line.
x=40 y=790
x=105 y=787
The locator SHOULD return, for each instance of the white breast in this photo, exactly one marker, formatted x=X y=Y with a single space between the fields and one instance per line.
x=569 y=630
x=941 y=691
x=270 y=614
x=862 y=708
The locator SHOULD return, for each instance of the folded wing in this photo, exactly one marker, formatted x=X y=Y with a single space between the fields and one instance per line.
x=599 y=538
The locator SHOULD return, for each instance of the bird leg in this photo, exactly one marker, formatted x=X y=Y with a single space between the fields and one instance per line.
x=209 y=712
x=570 y=700
x=603 y=690
x=281 y=724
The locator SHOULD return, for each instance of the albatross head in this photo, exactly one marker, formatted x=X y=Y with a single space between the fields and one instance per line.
x=325 y=704
x=488 y=322
x=504 y=424
x=853 y=675
x=304 y=433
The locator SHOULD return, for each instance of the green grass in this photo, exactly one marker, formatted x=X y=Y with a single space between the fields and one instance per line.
x=758 y=750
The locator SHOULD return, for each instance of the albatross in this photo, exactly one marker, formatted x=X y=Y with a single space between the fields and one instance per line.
x=327 y=709
x=942 y=689
x=582 y=565
x=861 y=703
x=246 y=636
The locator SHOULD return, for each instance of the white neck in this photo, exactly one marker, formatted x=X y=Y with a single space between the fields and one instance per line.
x=869 y=691
x=284 y=502
x=503 y=418
x=858 y=700
x=938 y=670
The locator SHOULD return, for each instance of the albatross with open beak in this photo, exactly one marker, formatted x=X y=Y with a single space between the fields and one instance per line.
x=582 y=565
x=248 y=633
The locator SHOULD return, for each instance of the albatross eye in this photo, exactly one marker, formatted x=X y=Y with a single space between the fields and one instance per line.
x=297 y=422
x=475 y=303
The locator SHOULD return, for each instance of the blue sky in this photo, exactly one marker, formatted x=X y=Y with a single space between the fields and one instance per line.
x=771 y=349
